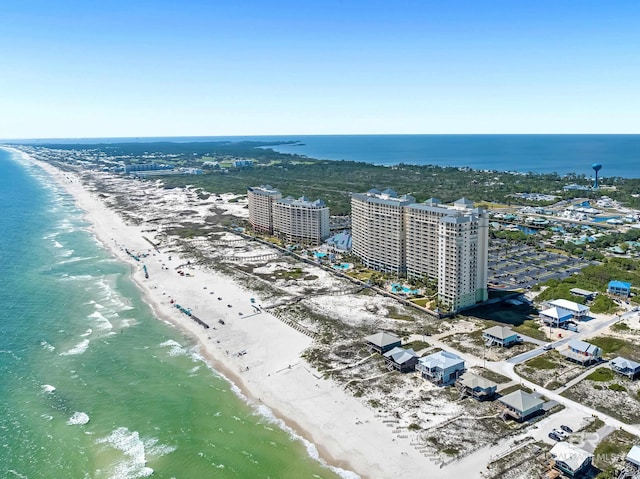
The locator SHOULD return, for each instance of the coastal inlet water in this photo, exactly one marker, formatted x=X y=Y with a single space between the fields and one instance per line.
x=562 y=154
x=92 y=385
x=619 y=155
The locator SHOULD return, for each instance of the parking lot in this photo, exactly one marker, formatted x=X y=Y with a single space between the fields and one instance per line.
x=516 y=265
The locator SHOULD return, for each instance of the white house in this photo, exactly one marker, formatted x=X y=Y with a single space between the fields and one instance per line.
x=570 y=459
x=579 y=311
x=442 y=367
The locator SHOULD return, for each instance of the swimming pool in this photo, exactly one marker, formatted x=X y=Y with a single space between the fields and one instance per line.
x=342 y=266
x=398 y=288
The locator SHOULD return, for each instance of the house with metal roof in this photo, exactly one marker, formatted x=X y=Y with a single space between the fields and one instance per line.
x=579 y=311
x=382 y=342
x=441 y=368
x=570 y=459
x=400 y=359
x=500 y=336
x=584 y=293
x=632 y=459
x=619 y=288
x=624 y=366
x=582 y=352
x=476 y=386
x=556 y=316
x=520 y=405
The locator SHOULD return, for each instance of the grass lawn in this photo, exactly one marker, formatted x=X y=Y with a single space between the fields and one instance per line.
x=550 y=370
x=361 y=275
x=514 y=388
x=531 y=328
x=416 y=345
x=612 y=347
x=420 y=301
x=492 y=376
x=394 y=313
x=617 y=444
x=601 y=375
x=541 y=362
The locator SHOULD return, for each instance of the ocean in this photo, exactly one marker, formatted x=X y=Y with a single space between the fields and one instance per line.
x=619 y=155
x=92 y=385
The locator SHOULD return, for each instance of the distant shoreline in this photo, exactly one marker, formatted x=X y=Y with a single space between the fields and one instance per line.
x=523 y=153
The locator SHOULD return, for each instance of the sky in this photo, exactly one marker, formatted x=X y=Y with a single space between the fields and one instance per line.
x=76 y=69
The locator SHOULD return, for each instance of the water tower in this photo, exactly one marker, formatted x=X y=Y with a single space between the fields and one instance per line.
x=596 y=167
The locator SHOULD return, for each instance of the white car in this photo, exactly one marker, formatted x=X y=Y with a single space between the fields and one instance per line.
x=560 y=433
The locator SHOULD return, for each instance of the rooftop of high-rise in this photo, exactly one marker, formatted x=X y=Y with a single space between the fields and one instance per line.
x=302 y=201
x=387 y=196
x=264 y=189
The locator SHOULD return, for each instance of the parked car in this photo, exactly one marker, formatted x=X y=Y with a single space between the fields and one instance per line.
x=566 y=429
x=561 y=434
x=554 y=436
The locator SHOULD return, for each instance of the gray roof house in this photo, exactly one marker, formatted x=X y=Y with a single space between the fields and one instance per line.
x=382 y=342
x=625 y=366
x=476 y=386
x=401 y=359
x=520 y=405
x=570 y=459
x=441 y=368
x=500 y=336
x=582 y=352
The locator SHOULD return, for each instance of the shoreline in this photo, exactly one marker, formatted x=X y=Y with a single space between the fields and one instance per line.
x=257 y=353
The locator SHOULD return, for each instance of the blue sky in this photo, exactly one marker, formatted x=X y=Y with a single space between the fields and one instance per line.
x=222 y=67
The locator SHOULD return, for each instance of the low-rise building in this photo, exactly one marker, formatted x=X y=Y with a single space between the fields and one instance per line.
x=632 y=460
x=382 y=342
x=441 y=368
x=500 y=336
x=579 y=311
x=570 y=459
x=582 y=352
x=476 y=386
x=589 y=295
x=619 y=288
x=624 y=366
x=556 y=316
x=520 y=405
x=400 y=359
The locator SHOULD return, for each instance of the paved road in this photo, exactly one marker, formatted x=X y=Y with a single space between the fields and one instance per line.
x=506 y=368
x=586 y=331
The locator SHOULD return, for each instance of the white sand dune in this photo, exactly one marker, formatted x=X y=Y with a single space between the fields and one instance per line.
x=270 y=371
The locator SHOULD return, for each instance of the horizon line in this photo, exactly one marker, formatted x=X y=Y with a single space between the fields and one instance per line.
x=264 y=135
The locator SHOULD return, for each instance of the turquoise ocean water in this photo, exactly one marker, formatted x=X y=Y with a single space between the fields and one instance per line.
x=91 y=384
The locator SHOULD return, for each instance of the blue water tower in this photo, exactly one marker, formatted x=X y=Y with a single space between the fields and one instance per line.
x=596 y=167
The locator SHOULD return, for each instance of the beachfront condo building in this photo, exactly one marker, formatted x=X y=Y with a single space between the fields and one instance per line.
x=301 y=220
x=448 y=243
x=294 y=220
x=261 y=200
x=378 y=233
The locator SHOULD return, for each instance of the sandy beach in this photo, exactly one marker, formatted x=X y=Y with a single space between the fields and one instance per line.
x=259 y=353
